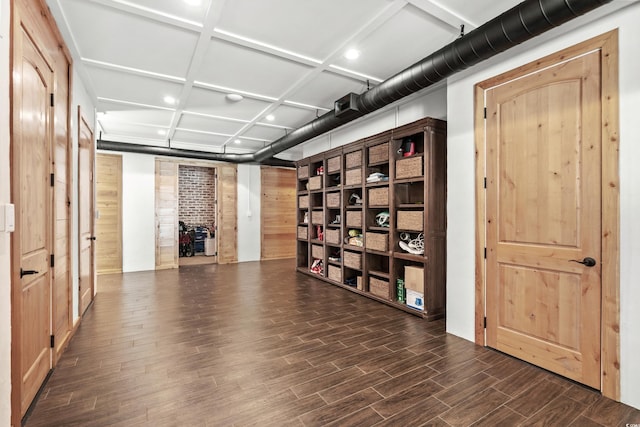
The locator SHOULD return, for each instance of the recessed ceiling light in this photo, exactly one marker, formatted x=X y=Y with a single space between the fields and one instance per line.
x=237 y=141
x=162 y=132
x=193 y=2
x=235 y=97
x=270 y=117
x=352 y=54
x=169 y=100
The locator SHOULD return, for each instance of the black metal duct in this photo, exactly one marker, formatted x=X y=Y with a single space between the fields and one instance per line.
x=519 y=24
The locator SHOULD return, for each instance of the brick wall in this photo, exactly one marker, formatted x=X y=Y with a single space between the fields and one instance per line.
x=196 y=205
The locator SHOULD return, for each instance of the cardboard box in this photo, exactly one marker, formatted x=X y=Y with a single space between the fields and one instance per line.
x=415 y=299
x=414 y=278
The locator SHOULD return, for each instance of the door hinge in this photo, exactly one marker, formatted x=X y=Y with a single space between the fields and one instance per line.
x=485 y=322
x=485 y=182
x=52 y=179
x=485 y=112
x=53 y=260
x=52 y=103
x=53 y=341
x=485 y=253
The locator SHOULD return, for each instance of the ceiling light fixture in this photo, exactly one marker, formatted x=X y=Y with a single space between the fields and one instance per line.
x=352 y=54
x=234 y=97
x=270 y=117
x=169 y=100
x=237 y=141
x=162 y=132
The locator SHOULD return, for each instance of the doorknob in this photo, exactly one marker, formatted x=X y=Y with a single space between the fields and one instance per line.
x=587 y=262
x=27 y=272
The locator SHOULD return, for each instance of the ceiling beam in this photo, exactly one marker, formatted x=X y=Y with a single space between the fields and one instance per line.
x=447 y=16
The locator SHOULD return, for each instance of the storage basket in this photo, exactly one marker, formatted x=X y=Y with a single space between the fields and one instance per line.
x=379 y=196
x=315 y=182
x=302 y=232
x=377 y=241
x=410 y=220
x=303 y=172
x=353 y=159
x=335 y=273
x=409 y=168
x=317 y=251
x=332 y=235
x=352 y=260
x=333 y=164
x=303 y=202
x=379 y=287
x=333 y=200
x=317 y=217
x=353 y=177
x=354 y=219
x=379 y=153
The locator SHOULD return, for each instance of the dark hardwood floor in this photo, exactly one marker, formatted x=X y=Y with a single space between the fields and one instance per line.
x=258 y=344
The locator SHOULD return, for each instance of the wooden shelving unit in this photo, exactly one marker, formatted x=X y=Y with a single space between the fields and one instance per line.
x=338 y=210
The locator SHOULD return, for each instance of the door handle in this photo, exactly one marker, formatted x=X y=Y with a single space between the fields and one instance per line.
x=91 y=238
x=27 y=272
x=587 y=262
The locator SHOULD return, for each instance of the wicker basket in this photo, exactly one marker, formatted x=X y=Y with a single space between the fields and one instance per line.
x=303 y=172
x=353 y=177
x=379 y=287
x=333 y=164
x=315 y=182
x=302 y=233
x=303 y=202
x=352 y=260
x=335 y=273
x=317 y=217
x=379 y=153
x=379 y=196
x=354 y=219
x=409 y=168
x=410 y=220
x=377 y=241
x=353 y=159
x=333 y=200
x=317 y=251
x=332 y=235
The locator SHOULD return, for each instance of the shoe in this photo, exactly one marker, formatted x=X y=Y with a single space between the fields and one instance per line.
x=414 y=246
x=355 y=199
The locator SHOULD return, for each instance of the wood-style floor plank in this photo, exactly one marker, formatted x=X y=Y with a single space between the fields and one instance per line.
x=257 y=344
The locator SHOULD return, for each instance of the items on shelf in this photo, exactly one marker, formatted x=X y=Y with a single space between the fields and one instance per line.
x=400 y=291
x=377 y=177
x=319 y=232
x=382 y=219
x=412 y=245
x=317 y=267
x=355 y=199
x=354 y=238
x=336 y=220
x=408 y=148
x=306 y=218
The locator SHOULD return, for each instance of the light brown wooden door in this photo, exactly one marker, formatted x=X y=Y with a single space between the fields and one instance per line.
x=166 y=214
x=85 y=213
x=278 y=212
x=108 y=222
x=543 y=211
x=32 y=241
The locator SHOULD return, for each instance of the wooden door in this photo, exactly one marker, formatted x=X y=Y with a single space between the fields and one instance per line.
x=33 y=197
x=108 y=223
x=85 y=214
x=278 y=212
x=227 y=212
x=543 y=214
x=166 y=214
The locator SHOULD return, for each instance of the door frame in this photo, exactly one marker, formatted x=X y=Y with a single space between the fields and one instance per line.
x=607 y=43
x=82 y=122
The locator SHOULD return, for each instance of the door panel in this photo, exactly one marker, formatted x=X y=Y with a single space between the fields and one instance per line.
x=543 y=210
x=85 y=213
x=166 y=214
x=109 y=206
x=278 y=212
x=33 y=237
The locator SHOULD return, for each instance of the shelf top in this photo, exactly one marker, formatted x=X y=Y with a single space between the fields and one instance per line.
x=409 y=257
x=409 y=180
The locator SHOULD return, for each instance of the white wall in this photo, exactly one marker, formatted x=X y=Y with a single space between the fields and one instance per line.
x=5 y=266
x=248 y=213
x=461 y=222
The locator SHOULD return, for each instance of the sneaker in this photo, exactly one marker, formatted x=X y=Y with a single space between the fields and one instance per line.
x=414 y=246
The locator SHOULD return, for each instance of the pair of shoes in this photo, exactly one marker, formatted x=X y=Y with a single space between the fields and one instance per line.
x=355 y=199
x=413 y=246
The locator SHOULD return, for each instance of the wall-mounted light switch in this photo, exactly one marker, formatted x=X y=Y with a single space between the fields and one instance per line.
x=7 y=218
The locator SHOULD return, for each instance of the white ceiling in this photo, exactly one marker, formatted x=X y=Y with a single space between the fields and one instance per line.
x=285 y=57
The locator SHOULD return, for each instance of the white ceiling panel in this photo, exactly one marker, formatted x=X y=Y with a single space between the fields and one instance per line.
x=326 y=89
x=207 y=124
x=111 y=129
x=479 y=12
x=113 y=36
x=215 y=103
x=383 y=53
x=199 y=138
x=241 y=68
x=133 y=114
x=175 y=8
x=311 y=28
x=292 y=117
x=266 y=133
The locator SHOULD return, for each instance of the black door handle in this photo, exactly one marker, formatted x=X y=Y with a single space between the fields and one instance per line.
x=587 y=262
x=27 y=272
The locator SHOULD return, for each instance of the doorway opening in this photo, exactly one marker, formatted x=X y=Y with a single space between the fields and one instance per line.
x=197 y=214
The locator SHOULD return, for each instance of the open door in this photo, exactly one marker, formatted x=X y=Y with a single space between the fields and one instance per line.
x=86 y=203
